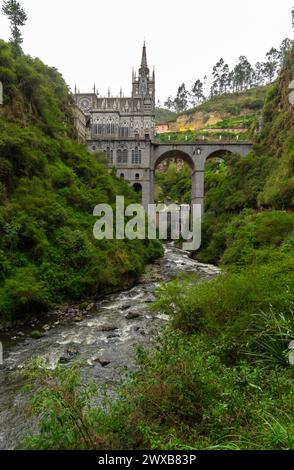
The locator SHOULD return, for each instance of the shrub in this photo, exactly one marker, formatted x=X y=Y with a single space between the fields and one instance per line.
x=229 y=299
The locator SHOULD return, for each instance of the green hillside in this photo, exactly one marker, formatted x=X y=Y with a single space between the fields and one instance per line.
x=164 y=115
x=49 y=186
x=234 y=103
x=251 y=101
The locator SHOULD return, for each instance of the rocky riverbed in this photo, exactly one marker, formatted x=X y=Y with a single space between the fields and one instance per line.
x=102 y=335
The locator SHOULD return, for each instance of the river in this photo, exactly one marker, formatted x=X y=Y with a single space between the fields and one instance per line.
x=102 y=336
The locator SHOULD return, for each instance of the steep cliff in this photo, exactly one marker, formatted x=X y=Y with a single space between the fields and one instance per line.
x=218 y=109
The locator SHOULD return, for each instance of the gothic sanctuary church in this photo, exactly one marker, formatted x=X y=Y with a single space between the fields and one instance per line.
x=123 y=128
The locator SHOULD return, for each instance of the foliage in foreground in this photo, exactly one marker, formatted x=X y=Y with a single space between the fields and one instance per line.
x=185 y=396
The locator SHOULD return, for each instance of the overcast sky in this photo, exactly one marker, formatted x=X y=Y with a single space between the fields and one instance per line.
x=100 y=41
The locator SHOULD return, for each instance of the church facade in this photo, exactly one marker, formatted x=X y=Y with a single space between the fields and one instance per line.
x=123 y=128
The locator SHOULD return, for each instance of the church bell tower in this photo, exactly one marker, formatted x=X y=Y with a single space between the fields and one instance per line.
x=144 y=82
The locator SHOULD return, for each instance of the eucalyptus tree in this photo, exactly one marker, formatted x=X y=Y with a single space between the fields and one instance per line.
x=243 y=74
x=220 y=74
x=181 y=100
x=17 y=17
x=197 y=92
x=272 y=64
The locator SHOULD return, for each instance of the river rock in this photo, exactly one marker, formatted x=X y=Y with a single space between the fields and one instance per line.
x=71 y=352
x=78 y=319
x=90 y=307
x=107 y=327
x=132 y=315
x=291 y=353
x=36 y=334
x=113 y=335
x=150 y=299
x=104 y=362
x=64 y=360
x=126 y=307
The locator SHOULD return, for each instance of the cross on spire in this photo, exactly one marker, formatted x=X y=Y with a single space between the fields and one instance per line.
x=144 y=70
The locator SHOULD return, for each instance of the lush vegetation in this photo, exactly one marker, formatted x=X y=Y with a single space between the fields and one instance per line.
x=173 y=184
x=164 y=115
x=221 y=376
x=207 y=134
x=49 y=186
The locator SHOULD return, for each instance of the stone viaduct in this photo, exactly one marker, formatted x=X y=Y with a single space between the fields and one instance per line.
x=195 y=155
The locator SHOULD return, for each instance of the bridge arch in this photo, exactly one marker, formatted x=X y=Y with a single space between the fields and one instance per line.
x=220 y=153
x=174 y=153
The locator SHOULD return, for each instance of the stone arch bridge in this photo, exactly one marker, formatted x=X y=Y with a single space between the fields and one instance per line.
x=195 y=155
x=137 y=160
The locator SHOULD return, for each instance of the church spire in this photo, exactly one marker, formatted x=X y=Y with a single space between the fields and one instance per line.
x=144 y=56
x=144 y=70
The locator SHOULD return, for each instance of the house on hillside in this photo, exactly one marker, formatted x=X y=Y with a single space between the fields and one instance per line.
x=161 y=127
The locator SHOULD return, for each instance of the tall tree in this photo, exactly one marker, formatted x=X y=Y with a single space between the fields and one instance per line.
x=243 y=74
x=221 y=74
x=286 y=45
x=271 y=64
x=181 y=100
x=17 y=17
x=285 y=49
x=231 y=83
x=197 y=92
x=224 y=79
x=169 y=103
x=258 y=74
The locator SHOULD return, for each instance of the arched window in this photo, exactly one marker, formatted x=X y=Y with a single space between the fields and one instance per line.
x=137 y=187
x=125 y=156
x=119 y=156
x=94 y=148
x=137 y=176
x=109 y=153
x=122 y=176
x=136 y=156
x=123 y=131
